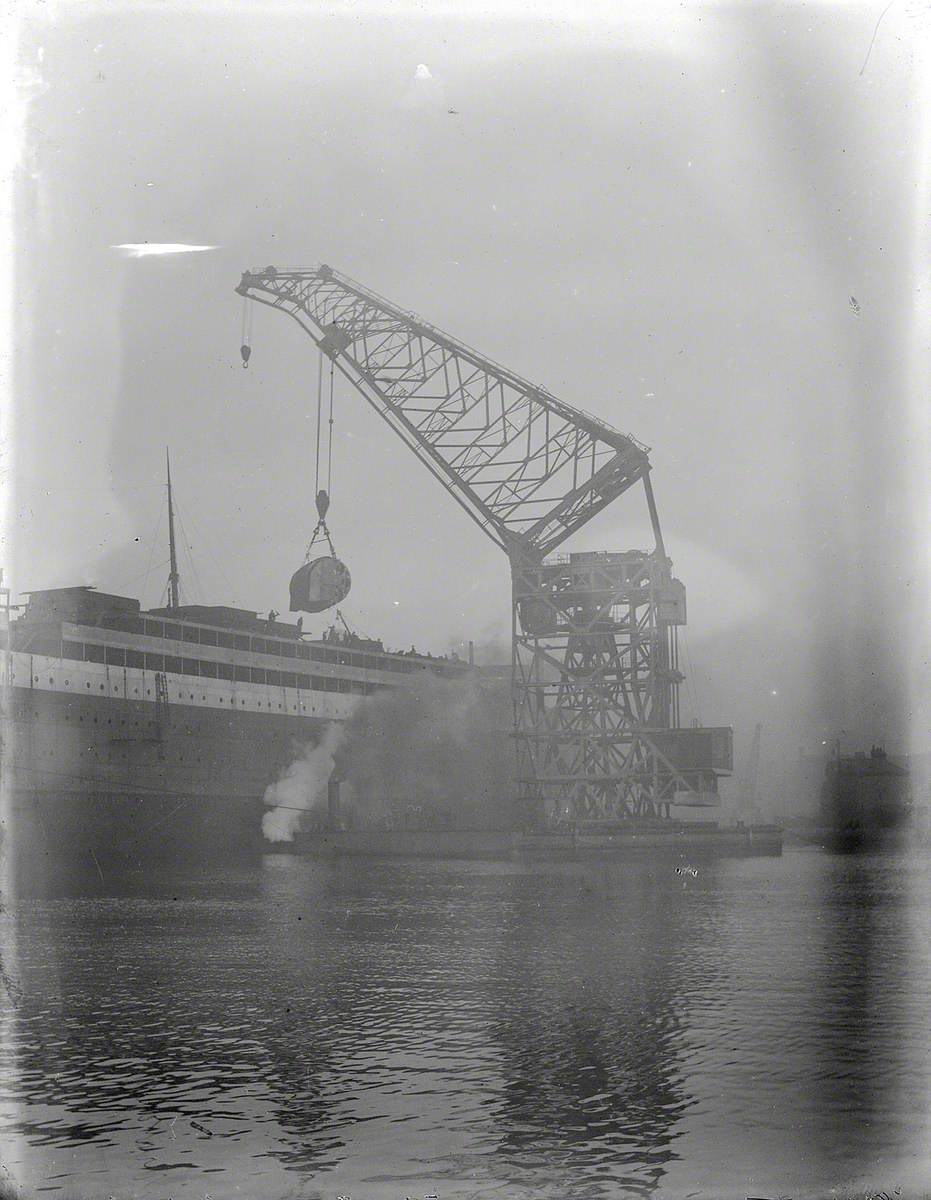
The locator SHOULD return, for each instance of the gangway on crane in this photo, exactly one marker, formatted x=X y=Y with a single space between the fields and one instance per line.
x=595 y=671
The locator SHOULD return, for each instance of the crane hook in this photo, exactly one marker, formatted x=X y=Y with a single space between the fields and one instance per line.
x=245 y=351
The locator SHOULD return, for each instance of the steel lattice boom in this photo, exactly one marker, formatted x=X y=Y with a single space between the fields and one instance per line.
x=595 y=660
x=528 y=468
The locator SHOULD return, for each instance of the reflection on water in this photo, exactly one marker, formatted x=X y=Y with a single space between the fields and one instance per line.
x=588 y=1030
x=392 y=1029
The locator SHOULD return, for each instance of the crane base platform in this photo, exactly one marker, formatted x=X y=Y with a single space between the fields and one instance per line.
x=683 y=840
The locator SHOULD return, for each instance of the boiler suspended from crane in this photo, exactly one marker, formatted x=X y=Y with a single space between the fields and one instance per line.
x=324 y=581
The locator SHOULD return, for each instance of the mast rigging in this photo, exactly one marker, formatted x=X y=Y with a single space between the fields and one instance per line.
x=174 y=579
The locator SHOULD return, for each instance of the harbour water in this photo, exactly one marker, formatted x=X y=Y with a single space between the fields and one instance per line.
x=381 y=1030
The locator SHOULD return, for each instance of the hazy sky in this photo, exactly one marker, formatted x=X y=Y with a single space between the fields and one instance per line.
x=698 y=222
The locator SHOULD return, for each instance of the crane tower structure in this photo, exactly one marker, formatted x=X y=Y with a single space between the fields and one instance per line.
x=595 y=672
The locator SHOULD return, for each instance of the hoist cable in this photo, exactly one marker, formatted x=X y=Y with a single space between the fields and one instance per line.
x=245 y=347
x=329 y=466
x=246 y=329
x=319 y=416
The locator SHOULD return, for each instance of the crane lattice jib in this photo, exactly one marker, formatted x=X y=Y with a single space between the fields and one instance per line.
x=528 y=468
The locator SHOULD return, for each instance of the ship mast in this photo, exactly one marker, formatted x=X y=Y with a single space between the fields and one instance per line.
x=173 y=577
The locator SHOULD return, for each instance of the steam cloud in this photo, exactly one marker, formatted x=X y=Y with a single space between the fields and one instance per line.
x=440 y=747
x=437 y=751
x=302 y=787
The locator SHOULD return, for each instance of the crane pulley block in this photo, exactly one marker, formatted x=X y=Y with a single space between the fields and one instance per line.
x=334 y=340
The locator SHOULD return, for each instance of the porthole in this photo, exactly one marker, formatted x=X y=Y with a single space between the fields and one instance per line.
x=67 y=683
x=87 y=685
x=36 y=679
x=203 y=697
x=135 y=691
x=101 y=687
x=148 y=691
x=50 y=679
x=117 y=690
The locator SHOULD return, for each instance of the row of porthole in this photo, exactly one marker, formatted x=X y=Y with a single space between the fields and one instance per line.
x=180 y=695
x=148 y=692
x=110 y=722
x=51 y=680
x=232 y=701
x=95 y=751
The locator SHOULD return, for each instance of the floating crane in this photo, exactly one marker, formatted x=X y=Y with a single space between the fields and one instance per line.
x=595 y=672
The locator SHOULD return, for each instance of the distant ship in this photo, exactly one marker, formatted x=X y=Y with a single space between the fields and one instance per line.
x=865 y=801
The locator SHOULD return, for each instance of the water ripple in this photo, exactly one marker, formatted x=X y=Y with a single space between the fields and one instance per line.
x=396 y=1029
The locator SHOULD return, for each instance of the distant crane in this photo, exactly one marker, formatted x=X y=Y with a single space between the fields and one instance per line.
x=748 y=801
x=595 y=671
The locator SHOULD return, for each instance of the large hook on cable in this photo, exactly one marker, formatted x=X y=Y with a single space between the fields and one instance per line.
x=246 y=352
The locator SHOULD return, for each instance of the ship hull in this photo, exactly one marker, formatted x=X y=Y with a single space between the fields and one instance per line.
x=99 y=780
x=56 y=834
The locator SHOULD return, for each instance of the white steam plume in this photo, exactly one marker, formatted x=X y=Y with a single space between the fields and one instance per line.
x=303 y=785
